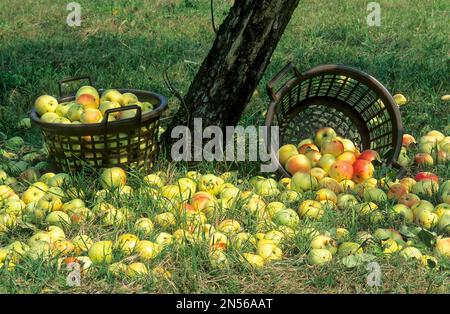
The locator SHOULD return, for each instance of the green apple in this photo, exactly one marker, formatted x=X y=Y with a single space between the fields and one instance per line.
x=303 y=182
x=311 y=209
x=411 y=252
x=136 y=269
x=349 y=248
x=114 y=177
x=106 y=105
x=404 y=211
x=286 y=217
x=74 y=112
x=210 y=183
x=56 y=233
x=254 y=260
x=117 y=269
x=324 y=242
x=128 y=99
x=113 y=217
x=319 y=257
x=101 y=252
x=111 y=95
x=82 y=243
x=375 y=195
x=58 y=218
x=144 y=226
x=44 y=104
x=164 y=239
x=346 y=201
x=324 y=135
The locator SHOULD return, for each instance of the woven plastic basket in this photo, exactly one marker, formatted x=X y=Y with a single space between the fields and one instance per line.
x=123 y=143
x=350 y=101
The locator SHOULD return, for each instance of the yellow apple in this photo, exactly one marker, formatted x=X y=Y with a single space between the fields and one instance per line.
x=44 y=104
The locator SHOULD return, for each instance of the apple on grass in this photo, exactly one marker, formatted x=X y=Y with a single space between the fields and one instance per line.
x=319 y=257
x=112 y=178
x=101 y=252
x=44 y=104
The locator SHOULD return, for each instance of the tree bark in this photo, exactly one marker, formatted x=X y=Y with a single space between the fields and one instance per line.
x=236 y=62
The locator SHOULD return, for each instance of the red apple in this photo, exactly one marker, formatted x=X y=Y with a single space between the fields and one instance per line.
x=408 y=140
x=88 y=101
x=423 y=159
x=348 y=156
x=341 y=170
x=369 y=155
x=396 y=191
x=298 y=163
x=362 y=170
x=427 y=176
x=409 y=199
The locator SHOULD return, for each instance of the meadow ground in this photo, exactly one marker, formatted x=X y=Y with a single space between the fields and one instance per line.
x=129 y=43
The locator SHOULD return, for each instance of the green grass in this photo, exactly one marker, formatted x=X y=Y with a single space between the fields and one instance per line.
x=129 y=43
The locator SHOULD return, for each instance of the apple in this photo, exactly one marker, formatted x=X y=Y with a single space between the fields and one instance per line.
x=366 y=208
x=219 y=241
x=91 y=115
x=427 y=147
x=144 y=226
x=106 y=105
x=136 y=270
x=286 y=217
x=155 y=180
x=44 y=104
x=40 y=250
x=268 y=250
x=112 y=178
x=165 y=220
x=409 y=199
x=89 y=90
x=422 y=205
x=325 y=194
x=303 y=182
x=298 y=163
x=408 y=140
x=311 y=209
x=342 y=234
x=72 y=204
x=403 y=158
x=400 y=99
x=49 y=117
x=362 y=170
x=314 y=157
x=147 y=250
x=326 y=161
x=128 y=99
x=63 y=247
x=82 y=243
x=164 y=239
x=274 y=235
x=254 y=260
x=112 y=95
x=436 y=134
x=442 y=209
x=210 y=183
x=289 y=197
x=37 y=238
x=307 y=147
x=347 y=156
x=333 y=147
x=318 y=173
x=273 y=207
x=58 y=218
x=285 y=152
x=346 y=201
x=396 y=191
x=323 y=135
x=444 y=223
x=423 y=159
x=349 y=146
x=410 y=253
x=126 y=243
x=349 y=248
x=218 y=259
x=369 y=155
x=425 y=188
x=341 y=170
x=101 y=252
x=229 y=226
x=442 y=247
x=87 y=101
x=113 y=217
x=324 y=242
x=62 y=109
x=74 y=112
x=427 y=219
x=375 y=195
x=319 y=257
x=49 y=202
x=404 y=211
x=330 y=183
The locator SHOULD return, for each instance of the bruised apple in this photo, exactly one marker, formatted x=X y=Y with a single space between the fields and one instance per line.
x=298 y=163
x=341 y=170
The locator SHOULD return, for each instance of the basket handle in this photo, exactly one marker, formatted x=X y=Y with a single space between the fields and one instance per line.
x=72 y=79
x=271 y=85
x=137 y=117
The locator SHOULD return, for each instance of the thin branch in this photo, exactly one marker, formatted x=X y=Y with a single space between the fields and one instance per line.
x=212 y=17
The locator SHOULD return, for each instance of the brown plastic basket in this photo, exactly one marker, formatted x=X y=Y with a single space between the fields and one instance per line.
x=125 y=143
x=352 y=102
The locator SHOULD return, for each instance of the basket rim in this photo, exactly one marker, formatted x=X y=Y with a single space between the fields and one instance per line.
x=337 y=69
x=100 y=126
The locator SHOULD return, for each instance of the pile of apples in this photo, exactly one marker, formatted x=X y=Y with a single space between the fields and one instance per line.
x=432 y=149
x=88 y=107
x=200 y=209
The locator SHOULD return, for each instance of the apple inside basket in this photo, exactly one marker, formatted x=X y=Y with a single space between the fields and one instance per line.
x=86 y=131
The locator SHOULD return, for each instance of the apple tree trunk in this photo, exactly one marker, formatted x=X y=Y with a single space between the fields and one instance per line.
x=236 y=62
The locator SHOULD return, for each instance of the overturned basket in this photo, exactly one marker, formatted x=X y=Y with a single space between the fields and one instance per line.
x=126 y=143
x=352 y=102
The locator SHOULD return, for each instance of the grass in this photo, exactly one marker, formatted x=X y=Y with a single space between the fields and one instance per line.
x=129 y=43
